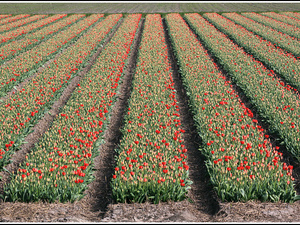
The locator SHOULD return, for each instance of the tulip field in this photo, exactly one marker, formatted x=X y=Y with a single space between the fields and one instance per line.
x=152 y=155
x=240 y=73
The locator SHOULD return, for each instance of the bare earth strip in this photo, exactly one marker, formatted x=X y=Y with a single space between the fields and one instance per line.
x=99 y=193
x=201 y=191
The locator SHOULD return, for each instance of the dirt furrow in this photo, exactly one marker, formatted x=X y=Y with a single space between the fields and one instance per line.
x=99 y=192
x=201 y=192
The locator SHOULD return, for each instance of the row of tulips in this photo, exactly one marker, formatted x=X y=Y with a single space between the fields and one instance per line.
x=6 y=37
x=275 y=24
x=15 y=48
x=9 y=35
x=151 y=163
x=24 y=109
x=2 y=16
x=11 y=19
x=277 y=38
x=61 y=165
x=292 y=14
x=274 y=101
x=284 y=64
x=18 y=24
x=241 y=161
x=283 y=18
x=27 y=63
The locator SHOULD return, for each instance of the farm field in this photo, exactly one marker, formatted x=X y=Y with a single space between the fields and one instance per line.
x=190 y=117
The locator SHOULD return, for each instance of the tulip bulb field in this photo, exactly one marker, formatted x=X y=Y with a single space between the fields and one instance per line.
x=65 y=79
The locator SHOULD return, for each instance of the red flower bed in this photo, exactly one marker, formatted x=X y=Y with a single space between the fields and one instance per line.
x=61 y=165
x=283 y=18
x=21 y=111
x=8 y=34
x=275 y=40
x=26 y=63
x=275 y=24
x=20 y=23
x=151 y=163
x=292 y=15
x=282 y=63
x=13 y=18
x=4 y=16
x=30 y=40
x=276 y=102
x=242 y=163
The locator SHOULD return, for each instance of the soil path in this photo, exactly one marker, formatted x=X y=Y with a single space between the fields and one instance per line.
x=99 y=192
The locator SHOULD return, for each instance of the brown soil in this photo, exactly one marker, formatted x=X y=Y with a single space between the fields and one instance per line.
x=164 y=212
x=97 y=206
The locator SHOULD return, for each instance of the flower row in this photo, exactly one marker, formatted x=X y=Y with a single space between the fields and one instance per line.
x=283 y=18
x=20 y=23
x=17 y=33
x=61 y=165
x=275 y=24
x=241 y=161
x=14 y=48
x=278 y=60
x=274 y=101
x=152 y=162
x=13 y=18
x=292 y=14
x=277 y=38
x=24 y=109
x=26 y=64
x=2 y=16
